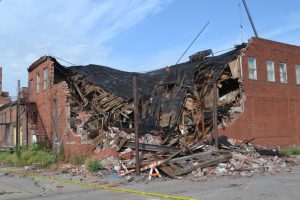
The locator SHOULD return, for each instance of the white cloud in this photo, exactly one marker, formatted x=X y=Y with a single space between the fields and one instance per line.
x=74 y=30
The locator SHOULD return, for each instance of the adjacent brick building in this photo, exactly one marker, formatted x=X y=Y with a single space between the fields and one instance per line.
x=8 y=119
x=271 y=79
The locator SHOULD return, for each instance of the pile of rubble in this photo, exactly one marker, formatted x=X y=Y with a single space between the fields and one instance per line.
x=233 y=158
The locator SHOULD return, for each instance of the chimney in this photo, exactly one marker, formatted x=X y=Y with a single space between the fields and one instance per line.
x=0 y=79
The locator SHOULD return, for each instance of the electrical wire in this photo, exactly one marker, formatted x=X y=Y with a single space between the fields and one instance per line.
x=192 y=42
x=61 y=59
x=224 y=50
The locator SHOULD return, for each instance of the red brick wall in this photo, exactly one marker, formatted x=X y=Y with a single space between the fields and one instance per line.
x=272 y=109
x=8 y=115
x=0 y=79
x=52 y=105
x=74 y=144
x=43 y=98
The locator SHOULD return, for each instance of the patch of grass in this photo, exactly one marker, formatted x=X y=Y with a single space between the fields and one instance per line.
x=54 y=166
x=93 y=165
x=77 y=159
x=4 y=193
x=36 y=154
x=292 y=150
x=4 y=155
x=5 y=158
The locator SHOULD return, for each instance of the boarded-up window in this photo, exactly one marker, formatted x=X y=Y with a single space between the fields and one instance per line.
x=298 y=74
x=271 y=71
x=283 y=72
x=252 y=68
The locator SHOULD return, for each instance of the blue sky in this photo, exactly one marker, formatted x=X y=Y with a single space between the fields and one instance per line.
x=132 y=35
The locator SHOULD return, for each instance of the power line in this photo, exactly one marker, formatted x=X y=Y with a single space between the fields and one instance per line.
x=224 y=50
x=192 y=42
x=62 y=60
x=121 y=72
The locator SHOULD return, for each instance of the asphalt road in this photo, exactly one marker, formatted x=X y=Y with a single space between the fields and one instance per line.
x=279 y=186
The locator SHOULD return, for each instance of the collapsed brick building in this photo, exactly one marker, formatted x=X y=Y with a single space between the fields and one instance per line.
x=74 y=106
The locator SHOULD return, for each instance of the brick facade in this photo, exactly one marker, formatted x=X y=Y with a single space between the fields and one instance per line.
x=272 y=109
x=53 y=107
x=8 y=119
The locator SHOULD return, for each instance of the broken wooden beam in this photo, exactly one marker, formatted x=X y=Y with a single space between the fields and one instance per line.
x=152 y=147
x=184 y=165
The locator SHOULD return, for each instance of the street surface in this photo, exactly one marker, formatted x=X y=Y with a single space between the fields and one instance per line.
x=279 y=186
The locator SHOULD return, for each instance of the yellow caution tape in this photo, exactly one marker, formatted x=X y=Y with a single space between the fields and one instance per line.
x=113 y=188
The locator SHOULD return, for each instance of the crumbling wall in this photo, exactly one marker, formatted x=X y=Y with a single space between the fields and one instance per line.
x=104 y=108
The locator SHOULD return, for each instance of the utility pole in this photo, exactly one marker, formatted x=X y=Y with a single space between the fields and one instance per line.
x=215 y=113
x=250 y=18
x=136 y=124
x=27 y=115
x=17 y=119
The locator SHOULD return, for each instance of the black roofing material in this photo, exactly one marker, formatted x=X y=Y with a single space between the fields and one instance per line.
x=120 y=82
x=117 y=81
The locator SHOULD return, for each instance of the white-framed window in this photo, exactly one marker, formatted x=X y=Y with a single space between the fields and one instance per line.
x=283 y=72
x=271 y=71
x=252 y=68
x=38 y=80
x=45 y=83
x=298 y=74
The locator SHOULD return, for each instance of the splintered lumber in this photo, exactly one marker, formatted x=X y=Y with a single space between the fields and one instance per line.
x=151 y=147
x=154 y=164
x=183 y=165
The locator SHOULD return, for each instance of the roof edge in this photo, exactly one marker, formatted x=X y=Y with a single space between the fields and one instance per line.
x=40 y=61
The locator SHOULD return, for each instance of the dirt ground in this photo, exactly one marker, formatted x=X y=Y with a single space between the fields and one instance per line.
x=283 y=185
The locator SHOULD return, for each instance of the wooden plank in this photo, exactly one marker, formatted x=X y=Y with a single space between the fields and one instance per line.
x=188 y=164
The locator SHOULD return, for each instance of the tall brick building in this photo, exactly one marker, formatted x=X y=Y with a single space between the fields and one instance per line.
x=271 y=79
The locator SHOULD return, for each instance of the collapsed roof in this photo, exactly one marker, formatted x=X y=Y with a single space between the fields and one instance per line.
x=173 y=100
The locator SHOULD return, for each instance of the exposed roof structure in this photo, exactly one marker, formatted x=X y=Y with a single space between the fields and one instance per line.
x=117 y=81
x=120 y=82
